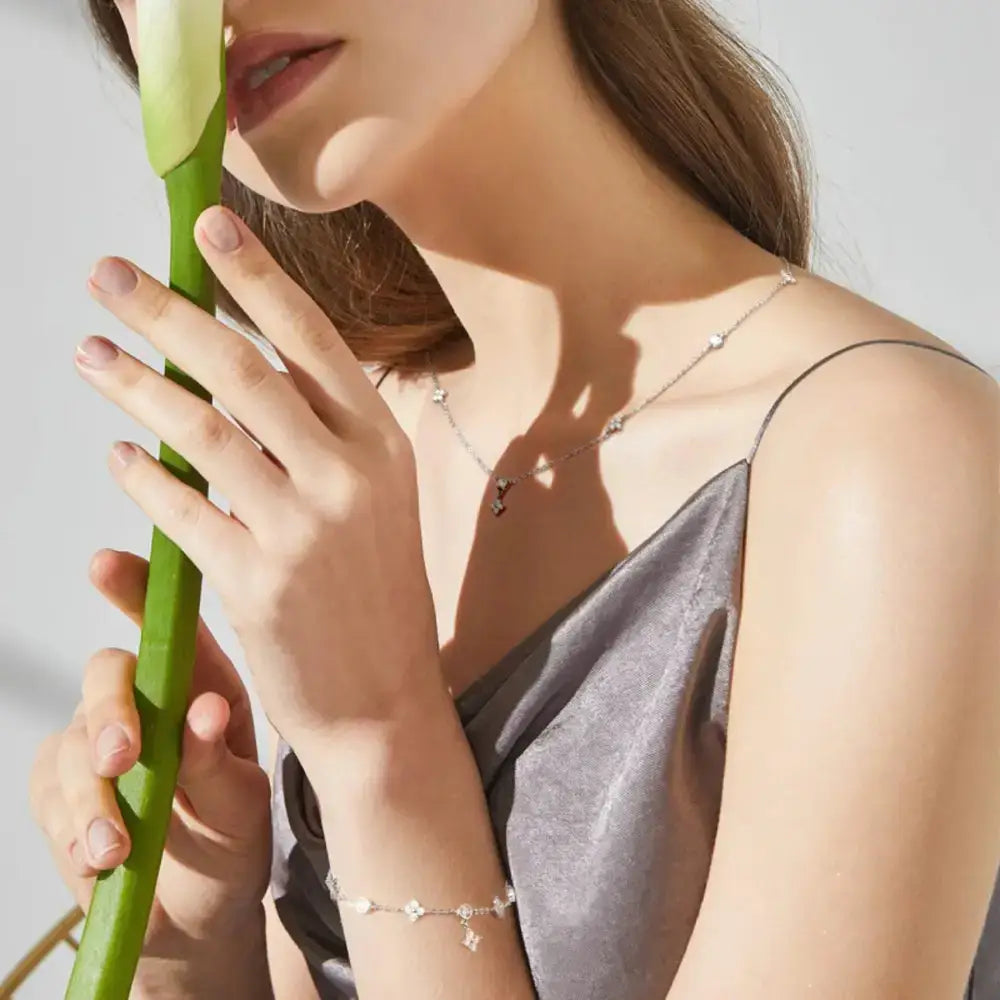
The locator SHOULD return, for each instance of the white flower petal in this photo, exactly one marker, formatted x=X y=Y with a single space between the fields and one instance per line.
x=181 y=74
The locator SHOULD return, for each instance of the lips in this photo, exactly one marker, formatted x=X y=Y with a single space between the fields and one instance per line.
x=248 y=52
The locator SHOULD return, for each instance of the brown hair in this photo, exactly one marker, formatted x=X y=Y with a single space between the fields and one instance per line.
x=693 y=96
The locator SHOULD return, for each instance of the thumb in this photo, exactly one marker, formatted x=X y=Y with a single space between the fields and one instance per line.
x=123 y=578
x=229 y=794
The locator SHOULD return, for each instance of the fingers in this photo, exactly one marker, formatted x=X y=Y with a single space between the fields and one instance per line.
x=324 y=368
x=77 y=810
x=215 y=674
x=265 y=451
x=76 y=807
x=210 y=538
x=194 y=427
x=223 y=361
x=51 y=814
x=48 y=808
x=111 y=719
x=93 y=814
x=228 y=793
x=122 y=577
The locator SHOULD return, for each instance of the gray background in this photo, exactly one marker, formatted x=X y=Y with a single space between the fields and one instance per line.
x=898 y=99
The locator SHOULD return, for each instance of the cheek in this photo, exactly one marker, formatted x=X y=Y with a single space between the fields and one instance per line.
x=431 y=52
x=405 y=70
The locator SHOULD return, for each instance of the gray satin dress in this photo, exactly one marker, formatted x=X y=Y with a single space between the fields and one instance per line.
x=601 y=741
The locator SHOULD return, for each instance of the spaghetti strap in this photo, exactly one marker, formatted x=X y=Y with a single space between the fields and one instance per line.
x=860 y=343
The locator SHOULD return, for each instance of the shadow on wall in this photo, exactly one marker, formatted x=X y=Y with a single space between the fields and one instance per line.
x=33 y=684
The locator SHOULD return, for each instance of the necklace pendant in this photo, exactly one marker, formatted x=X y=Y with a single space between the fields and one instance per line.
x=498 y=507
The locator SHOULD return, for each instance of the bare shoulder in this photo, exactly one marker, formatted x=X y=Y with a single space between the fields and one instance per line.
x=819 y=316
x=881 y=442
x=865 y=699
x=863 y=395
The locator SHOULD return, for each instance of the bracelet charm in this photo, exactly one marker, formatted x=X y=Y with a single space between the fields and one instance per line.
x=414 y=910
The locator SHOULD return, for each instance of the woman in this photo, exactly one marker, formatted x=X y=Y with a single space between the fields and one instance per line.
x=570 y=237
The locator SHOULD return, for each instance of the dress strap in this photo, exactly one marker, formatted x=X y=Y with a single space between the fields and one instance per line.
x=849 y=347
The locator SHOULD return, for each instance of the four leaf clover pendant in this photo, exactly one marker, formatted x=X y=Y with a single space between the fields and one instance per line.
x=498 y=507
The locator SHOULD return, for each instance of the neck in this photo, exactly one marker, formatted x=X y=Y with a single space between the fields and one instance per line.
x=558 y=243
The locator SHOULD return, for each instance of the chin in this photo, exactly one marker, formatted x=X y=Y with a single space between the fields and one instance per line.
x=357 y=163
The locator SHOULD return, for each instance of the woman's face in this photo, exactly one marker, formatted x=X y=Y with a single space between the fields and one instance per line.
x=404 y=68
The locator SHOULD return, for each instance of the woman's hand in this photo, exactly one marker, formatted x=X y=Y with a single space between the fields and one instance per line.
x=217 y=861
x=320 y=567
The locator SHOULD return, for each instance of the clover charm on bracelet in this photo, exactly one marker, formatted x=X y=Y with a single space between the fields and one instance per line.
x=414 y=910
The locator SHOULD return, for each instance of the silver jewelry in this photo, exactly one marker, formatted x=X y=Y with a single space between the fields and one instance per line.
x=415 y=910
x=617 y=423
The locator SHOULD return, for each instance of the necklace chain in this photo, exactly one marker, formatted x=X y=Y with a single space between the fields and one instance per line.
x=617 y=423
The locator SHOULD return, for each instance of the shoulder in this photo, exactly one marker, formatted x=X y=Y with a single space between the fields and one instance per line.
x=874 y=500
x=865 y=695
x=882 y=420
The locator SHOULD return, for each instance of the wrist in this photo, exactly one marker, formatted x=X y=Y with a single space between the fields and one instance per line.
x=231 y=960
x=416 y=765
x=372 y=753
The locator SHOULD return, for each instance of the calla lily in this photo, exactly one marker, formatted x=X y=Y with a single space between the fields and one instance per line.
x=181 y=57
x=180 y=74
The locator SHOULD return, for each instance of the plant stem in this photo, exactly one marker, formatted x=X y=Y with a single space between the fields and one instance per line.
x=115 y=929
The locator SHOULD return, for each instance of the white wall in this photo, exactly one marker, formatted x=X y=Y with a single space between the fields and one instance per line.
x=897 y=99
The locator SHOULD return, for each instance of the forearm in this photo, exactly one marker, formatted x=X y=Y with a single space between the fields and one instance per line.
x=231 y=963
x=404 y=817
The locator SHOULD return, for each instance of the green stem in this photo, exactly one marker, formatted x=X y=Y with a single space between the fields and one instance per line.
x=118 y=915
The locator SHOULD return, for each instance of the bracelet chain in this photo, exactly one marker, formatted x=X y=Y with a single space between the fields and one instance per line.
x=415 y=910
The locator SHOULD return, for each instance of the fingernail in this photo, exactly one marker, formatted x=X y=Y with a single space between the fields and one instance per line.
x=96 y=352
x=220 y=230
x=114 y=276
x=110 y=741
x=123 y=454
x=102 y=838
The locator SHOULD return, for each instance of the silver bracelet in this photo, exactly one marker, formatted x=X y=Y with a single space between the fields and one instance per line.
x=415 y=911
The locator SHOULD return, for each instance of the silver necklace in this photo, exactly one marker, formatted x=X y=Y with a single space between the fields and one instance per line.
x=617 y=423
